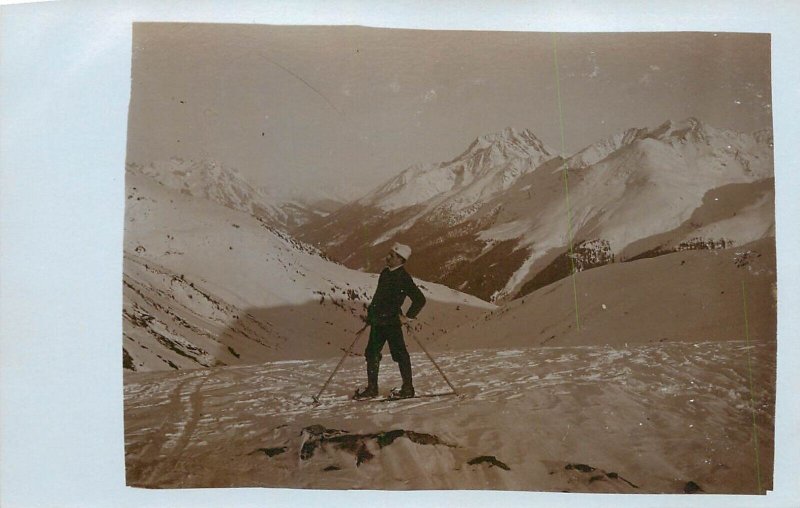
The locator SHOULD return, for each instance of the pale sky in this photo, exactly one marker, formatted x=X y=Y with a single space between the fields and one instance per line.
x=328 y=107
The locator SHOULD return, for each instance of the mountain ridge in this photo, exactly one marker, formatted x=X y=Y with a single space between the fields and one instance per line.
x=632 y=185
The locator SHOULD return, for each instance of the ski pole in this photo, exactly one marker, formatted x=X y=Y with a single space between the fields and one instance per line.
x=346 y=354
x=414 y=336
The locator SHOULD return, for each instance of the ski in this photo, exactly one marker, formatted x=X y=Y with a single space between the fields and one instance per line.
x=390 y=398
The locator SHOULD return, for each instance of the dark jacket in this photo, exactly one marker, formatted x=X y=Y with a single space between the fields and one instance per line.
x=393 y=288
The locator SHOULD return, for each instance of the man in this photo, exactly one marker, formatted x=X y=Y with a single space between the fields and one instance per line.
x=385 y=318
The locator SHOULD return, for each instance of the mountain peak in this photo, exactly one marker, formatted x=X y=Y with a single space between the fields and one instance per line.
x=488 y=166
x=598 y=151
x=508 y=142
x=507 y=136
x=682 y=129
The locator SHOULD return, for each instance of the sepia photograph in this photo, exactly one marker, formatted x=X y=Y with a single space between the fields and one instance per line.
x=394 y=259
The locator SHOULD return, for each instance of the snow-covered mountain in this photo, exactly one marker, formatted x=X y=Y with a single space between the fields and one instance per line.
x=206 y=284
x=224 y=185
x=490 y=165
x=654 y=193
x=596 y=152
x=497 y=217
x=214 y=181
x=441 y=195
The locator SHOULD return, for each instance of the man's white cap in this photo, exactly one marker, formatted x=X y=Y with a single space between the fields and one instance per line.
x=404 y=251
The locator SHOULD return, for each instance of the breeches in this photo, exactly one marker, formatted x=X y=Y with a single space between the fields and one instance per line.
x=380 y=335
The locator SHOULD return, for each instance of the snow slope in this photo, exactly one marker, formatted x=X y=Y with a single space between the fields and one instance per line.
x=205 y=284
x=654 y=184
x=691 y=295
x=660 y=418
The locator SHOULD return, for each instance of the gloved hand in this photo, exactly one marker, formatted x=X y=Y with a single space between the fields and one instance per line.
x=410 y=324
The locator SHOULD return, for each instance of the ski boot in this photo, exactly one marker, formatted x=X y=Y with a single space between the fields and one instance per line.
x=406 y=392
x=369 y=392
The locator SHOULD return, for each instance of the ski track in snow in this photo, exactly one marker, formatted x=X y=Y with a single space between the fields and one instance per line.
x=683 y=407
